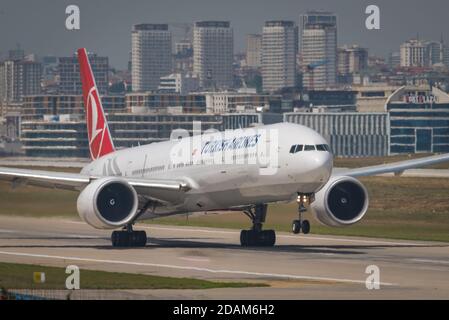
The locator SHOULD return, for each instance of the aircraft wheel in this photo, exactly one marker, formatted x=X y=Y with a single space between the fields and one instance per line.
x=268 y=238
x=305 y=226
x=251 y=238
x=244 y=238
x=296 y=226
x=122 y=239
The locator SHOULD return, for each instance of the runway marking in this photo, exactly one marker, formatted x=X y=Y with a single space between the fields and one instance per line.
x=48 y=234
x=323 y=253
x=80 y=236
x=240 y=272
x=195 y=259
x=7 y=231
x=311 y=238
x=431 y=261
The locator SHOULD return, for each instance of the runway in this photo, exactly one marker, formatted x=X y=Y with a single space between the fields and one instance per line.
x=298 y=267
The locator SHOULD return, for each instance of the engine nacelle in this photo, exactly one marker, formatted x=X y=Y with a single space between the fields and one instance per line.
x=108 y=203
x=341 y=202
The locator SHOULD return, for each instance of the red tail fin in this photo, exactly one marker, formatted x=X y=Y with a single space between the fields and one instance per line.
x=100 y=141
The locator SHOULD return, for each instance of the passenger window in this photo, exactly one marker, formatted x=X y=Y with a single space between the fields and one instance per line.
x=309 y=147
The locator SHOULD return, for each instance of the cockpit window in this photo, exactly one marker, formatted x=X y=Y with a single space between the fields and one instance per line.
x=323 y=147
x=309 y=147
x=296 y=148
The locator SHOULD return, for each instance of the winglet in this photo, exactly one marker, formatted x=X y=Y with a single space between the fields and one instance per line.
x=100 y=141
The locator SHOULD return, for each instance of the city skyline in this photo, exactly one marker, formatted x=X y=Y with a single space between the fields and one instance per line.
x=106 y=26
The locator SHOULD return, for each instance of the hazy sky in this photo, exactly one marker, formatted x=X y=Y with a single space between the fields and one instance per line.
x=39 y=25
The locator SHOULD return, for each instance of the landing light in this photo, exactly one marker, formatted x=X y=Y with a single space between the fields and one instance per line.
x=302 y=198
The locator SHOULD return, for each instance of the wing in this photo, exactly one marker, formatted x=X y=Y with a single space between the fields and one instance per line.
x=48 y=179
x=160 y=189
x=395 y=167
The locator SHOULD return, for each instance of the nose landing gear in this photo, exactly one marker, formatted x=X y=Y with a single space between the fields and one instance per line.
x=299 y=224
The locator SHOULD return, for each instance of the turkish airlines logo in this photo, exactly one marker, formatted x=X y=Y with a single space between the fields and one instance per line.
x=96 y=124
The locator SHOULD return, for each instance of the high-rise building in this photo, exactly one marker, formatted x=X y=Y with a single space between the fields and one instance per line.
x=253 y=50
x=444 y=52
x=151 y=55
x=16 y=54
x=183 y=57
x=178 y=83
x=279 y=48
x=213 y=53
x=446 y=55
x=413 y=53
x=434 y=52
x=394 y=60
x=19 y=78
x=129 y=64
x=319 y=49
x=183 y=47
x=420 y=53
x=69 y=74
x=352 y=59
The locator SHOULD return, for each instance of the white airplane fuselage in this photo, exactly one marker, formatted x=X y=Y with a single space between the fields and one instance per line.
x=218 y=184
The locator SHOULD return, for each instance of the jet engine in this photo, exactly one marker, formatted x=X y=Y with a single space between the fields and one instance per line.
x=341 y=202
x=108 y=203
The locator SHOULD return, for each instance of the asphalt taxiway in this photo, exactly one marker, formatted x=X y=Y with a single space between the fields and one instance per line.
x=298 y=267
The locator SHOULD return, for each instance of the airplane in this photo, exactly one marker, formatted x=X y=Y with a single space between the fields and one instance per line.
x=236 y=170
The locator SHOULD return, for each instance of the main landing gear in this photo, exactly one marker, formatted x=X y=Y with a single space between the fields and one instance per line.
x=256 y=236
x=129 y=238
x=299 y=224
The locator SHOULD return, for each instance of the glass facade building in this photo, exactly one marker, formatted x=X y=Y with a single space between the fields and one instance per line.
x=419 y=128
x=350 y=134
x=419 y=120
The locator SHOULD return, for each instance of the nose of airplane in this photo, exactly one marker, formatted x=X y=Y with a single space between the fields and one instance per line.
x=322 y=165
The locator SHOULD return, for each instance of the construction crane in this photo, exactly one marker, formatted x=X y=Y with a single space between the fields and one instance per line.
x=311 y=69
